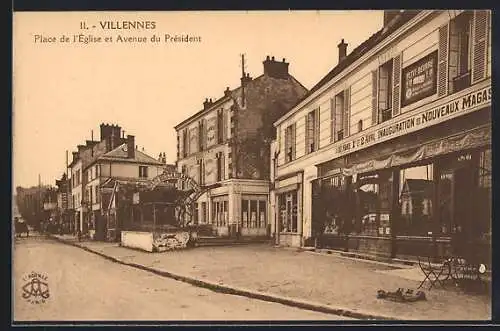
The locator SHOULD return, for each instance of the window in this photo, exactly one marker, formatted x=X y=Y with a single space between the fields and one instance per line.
x=184 y=172
x=97 y=172
x=416 y=196
x=312 y=131
x=460 y=52
x=89 y=191
x=97 y=195
x=360 y=125
x=201 y=135
x=385 y=92
x=204 y=213
x=337 y=113
x=290 y=143
x=220 y=166
x=253 y=213
x=143 y=172
x=220 y=126
x=219 y=211
x=201 y=172
x=373 y=210
x=288 y=211
x=185 y=143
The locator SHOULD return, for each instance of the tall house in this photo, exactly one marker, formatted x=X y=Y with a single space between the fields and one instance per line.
x=412 y=104
x=223 y=147
x=94 y=168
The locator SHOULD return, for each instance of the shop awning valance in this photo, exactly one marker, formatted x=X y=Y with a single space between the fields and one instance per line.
x=465 y=140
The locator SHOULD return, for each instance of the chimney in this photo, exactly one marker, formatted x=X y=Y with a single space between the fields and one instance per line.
x=275 y=69
x=342 y=50
x=207 y=103
x=227 y=92
x=164 y=159
x=130 y=147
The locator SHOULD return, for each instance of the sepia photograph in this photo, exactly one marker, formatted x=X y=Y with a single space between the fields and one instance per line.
x=251 y=166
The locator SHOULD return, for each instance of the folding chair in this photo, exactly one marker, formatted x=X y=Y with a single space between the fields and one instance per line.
x=434 y=273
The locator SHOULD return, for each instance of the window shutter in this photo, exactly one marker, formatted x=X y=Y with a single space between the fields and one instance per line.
x=294 y=146
x=222 y=166
x=347 y=111
x=443 y=61
x=316 y=130
x=480 y=35
x=224 y=120
x=307 y=138
x=374 y=97
x=396 y=92
x=332 y=120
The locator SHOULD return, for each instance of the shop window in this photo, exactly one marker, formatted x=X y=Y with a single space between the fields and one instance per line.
x=416 y=196
x=288 y=211
x=290 y=143
x=460 y=52
x=373 y=210
x=253 y=213
x=219 y=212
x=244 y=213
x=143 y=172
x=385 y=92
x=483 y=197
x=262 y=217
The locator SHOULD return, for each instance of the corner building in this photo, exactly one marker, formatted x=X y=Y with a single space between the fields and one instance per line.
x=393 y=145
x=225 y=147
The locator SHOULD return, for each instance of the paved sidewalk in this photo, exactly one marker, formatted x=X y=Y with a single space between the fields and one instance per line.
x=328 y=280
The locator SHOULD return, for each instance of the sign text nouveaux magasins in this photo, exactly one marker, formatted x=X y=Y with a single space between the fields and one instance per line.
x=418 y=121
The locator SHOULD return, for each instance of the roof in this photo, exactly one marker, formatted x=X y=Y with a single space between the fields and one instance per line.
x=359 y=51
x=225 y=98
x=120 y=154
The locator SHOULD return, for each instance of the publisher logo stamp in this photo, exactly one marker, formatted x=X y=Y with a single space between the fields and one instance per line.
x=36 y=288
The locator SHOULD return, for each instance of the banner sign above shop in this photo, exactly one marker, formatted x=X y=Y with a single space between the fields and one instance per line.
x=424 y=118
x=419 y=79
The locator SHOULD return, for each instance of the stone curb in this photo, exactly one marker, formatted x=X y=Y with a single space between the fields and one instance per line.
x=292 y=302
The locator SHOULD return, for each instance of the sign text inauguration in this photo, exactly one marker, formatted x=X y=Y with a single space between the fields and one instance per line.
x=418 y=121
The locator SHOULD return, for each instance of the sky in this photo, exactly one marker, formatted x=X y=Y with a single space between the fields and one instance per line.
x=62 y=91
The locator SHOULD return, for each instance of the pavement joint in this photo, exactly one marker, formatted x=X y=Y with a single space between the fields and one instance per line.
x=292 y=302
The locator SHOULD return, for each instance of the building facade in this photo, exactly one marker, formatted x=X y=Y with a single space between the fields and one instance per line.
x=408 y=110
x=222 y=147
x=75 y=171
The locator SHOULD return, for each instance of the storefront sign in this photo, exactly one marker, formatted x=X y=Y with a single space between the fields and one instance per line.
x=167 y=176
x=425 y=118
x=419 y=79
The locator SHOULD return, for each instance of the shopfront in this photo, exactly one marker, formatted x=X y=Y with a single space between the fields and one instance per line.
x=289 y=219
x=409 y=196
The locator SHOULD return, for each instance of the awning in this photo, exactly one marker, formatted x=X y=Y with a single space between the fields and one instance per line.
x=466 y=140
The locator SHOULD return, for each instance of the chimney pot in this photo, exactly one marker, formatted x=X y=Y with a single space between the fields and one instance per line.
x=272 y=58
x=283 y=59
x=267 y=58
